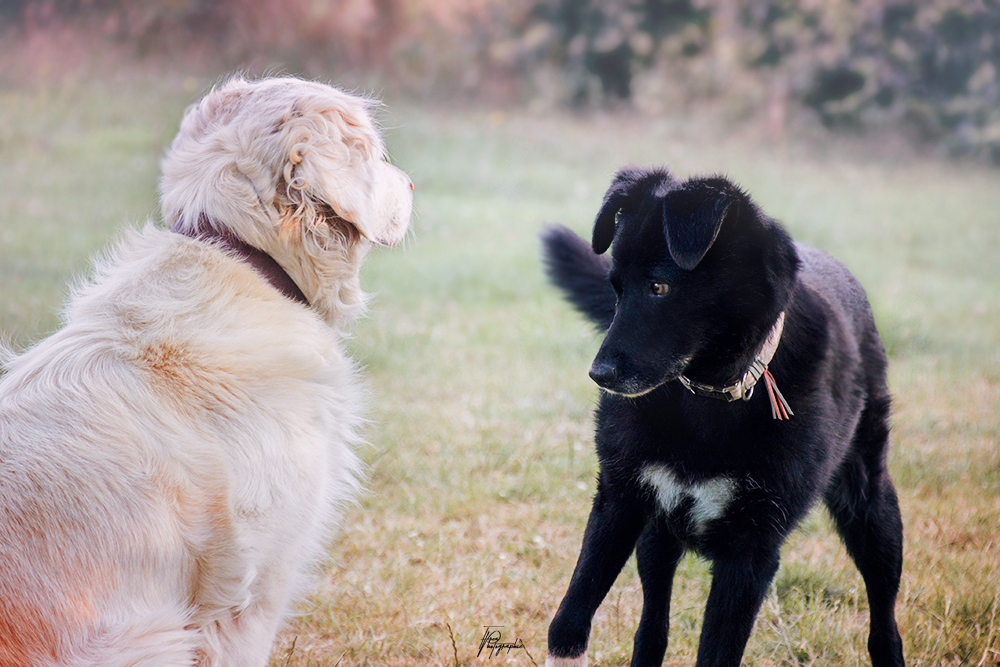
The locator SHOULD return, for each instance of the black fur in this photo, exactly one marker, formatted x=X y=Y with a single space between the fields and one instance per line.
x=731 y=271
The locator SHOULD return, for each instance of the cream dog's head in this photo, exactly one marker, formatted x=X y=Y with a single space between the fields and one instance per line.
x=297 y=169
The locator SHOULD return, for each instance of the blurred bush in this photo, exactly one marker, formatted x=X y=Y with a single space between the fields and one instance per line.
x=930 y=65
x=600 y=46
x=931 y=68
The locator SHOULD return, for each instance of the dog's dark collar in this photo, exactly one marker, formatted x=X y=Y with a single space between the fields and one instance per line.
x=263 y=263
x=743 y=388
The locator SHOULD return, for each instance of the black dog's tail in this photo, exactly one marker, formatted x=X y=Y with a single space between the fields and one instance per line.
x=581 y=274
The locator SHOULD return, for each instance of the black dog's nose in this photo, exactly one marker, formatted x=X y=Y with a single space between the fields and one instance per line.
x=602 y=373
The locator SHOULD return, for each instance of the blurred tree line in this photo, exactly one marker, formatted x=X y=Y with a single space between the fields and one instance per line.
x=230 y=29
x=928 y=67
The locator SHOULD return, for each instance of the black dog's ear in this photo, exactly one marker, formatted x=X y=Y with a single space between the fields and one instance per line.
x=604 y=224
x=618 y=194
x=692 y=217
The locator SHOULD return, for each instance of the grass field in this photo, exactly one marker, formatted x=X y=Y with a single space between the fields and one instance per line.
x=481 y=452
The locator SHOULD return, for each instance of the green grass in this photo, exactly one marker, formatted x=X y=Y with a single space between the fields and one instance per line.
x=481 y=450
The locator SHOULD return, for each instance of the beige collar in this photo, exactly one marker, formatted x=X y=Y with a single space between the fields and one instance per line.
x=743 y=389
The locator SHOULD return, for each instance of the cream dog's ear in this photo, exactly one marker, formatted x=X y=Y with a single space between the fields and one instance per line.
x=335 y=160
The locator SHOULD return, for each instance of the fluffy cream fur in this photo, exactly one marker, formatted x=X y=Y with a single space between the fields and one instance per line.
x=173 y=459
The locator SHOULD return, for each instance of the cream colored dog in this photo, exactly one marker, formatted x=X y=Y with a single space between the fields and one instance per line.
x=173 y=459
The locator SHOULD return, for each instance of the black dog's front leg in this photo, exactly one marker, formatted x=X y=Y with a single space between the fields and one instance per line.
x=656 y=554
x=739 y=584
x=612 y=530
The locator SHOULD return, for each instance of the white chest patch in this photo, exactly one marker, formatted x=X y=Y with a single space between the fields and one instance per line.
x=710 y=497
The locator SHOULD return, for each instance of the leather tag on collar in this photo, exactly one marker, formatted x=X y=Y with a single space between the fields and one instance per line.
x=262 y=263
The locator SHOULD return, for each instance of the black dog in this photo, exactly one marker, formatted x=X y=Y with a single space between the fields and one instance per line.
x=705 y=297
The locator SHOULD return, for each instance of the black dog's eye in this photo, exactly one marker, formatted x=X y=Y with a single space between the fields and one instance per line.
x=618 y=214
x=659 y=289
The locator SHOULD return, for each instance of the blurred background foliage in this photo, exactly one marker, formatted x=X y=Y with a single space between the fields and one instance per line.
x=927 y=70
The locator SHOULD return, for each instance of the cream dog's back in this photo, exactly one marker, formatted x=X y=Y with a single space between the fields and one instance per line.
x=159 y=458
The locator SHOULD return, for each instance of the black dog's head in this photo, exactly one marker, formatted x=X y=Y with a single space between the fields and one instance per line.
x=700 y=275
